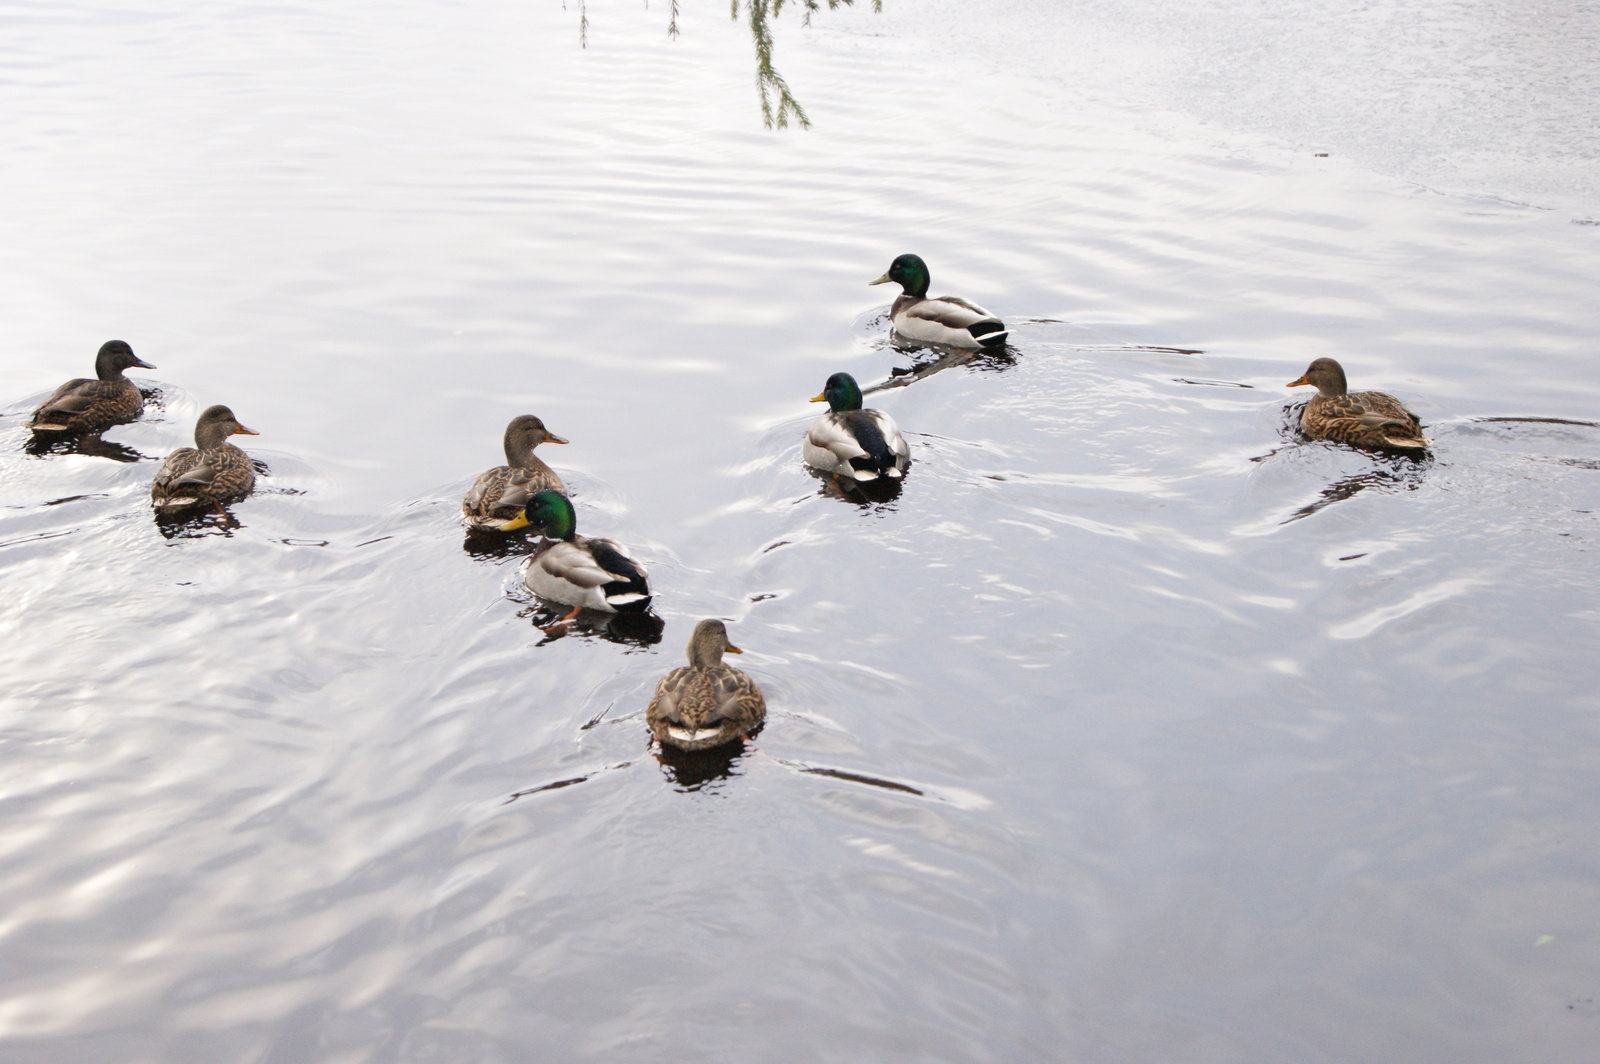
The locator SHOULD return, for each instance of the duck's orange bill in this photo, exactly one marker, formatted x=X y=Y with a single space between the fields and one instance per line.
x=1296 y=384
x=553 y=439
x=733 y=649
x=240 y=430
x=519 y=521
x=818 y=399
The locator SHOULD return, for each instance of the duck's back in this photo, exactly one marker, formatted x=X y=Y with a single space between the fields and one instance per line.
x=500 y=494
x=694 y=705
x=189 y=477
x=948 y=320
x=1363 y=419
x=87 y=405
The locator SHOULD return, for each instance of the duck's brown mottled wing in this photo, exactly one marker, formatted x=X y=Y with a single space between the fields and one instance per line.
x=501 y=493
x=88 y=405
x=484 y=495
x=738 y=697
x=1365 y=419
x=664 y=706
x=523 y=485
x=177 y=464
x=222 y=473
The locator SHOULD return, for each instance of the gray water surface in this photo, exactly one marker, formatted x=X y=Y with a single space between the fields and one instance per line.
x=1134 y=728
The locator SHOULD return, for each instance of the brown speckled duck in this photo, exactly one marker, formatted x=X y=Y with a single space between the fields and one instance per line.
x=1372 y=420
x=211 y=473
x=705 y=703
x=84 y=407
x=498 y=497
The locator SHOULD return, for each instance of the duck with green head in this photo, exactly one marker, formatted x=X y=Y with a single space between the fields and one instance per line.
x=498 y=496
x=211 y=473
x=83 y=407
x=853 y=443
x=1375 y=421
x=593 y=574
x=706 y=703
x=948 y=320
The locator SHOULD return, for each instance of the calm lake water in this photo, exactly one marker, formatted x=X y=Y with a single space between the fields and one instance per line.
x=1133 y=729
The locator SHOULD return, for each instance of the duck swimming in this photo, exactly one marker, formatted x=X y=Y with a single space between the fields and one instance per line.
x=948 y=320
x=1372 y=420
x=851 y=442
x=83 y=407
x=593 y=574
x=210 y=473
x=705 y=703
x=499 y=495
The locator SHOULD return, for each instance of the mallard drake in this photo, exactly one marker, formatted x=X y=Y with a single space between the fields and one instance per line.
x=705 y=703
x=210 y=473
x=947 y=320
x=1372 y=420
x=851 y=442
x=498 y=496
x=84 y=407
x=593 y=574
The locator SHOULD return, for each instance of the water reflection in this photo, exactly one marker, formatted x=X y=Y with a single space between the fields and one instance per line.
x=938 y=360
x=778 y=104
x=695 y=770
x=631 y=629
x=494 y=546
x=42 y=443
x=1393 y=479
x=189 y=524
x=874 y=495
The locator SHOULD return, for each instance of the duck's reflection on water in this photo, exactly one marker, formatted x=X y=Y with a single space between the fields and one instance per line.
x=698 y=770
x=875 y=495
x=1405 y=475
x=695 y=770
x=926 y=361
x=196 y=523
x=42 y=443
x=631 y=629
x=492 y=546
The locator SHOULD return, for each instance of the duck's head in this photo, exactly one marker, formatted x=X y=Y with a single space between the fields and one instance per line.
x=1326 y=375
x=841 y=393
x=550 y=512
x=114 y=357
x=216 y=424
x=709 y=643
x=523 y=435
x=910 y=273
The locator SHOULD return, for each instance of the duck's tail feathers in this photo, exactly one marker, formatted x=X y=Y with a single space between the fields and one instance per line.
x=989 y=333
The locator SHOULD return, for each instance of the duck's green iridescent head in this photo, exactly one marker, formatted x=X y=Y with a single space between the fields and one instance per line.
x=551 y=513
x=841 y=393
x=910 y=273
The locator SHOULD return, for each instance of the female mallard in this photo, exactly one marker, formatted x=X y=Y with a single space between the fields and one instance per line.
x=705 y=703
x=593 y=574
x=83 y=407
x=947 y=320
x=498 y=497
x=852 y=442
x=210 y=473
x=1365 y=419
